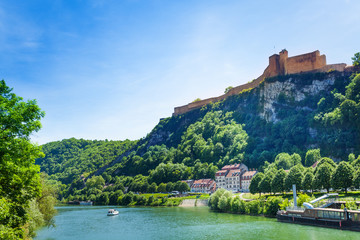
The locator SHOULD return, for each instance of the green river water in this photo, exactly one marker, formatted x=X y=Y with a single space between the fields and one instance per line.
x=91 y=223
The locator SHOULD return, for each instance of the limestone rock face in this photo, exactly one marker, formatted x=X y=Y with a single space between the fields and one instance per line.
x=291 y=89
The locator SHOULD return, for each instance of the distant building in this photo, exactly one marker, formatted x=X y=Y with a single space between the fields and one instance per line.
x=232 y=180
x=220 y=178
x=203 y=186
x=246 y=179
x=229 y=177
x=188 y=182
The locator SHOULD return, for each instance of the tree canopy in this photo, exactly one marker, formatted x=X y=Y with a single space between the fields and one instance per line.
x=19 y=178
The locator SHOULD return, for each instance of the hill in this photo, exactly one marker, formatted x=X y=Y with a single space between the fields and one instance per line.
x=288 y=113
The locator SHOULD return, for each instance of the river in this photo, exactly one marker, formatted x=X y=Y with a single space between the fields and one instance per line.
x=91 y=223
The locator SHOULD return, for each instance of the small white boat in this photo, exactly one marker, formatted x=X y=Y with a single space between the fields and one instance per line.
x=112 y=212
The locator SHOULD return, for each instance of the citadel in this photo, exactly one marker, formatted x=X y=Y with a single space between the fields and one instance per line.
x=279 y=64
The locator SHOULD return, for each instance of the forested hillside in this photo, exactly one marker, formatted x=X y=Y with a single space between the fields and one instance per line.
x=291 y=114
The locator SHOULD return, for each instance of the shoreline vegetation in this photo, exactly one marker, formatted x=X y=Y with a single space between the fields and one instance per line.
x=268 y=204
x=27 y=197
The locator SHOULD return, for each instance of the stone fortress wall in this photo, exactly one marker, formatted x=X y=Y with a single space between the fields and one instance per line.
x=279 y=64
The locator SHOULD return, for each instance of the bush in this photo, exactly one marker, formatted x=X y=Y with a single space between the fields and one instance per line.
x=223 y=204
x=303 y=197
x=272 y=205
x=253 y=207
x=127 y=198
x=214 y=199
x=237 y=205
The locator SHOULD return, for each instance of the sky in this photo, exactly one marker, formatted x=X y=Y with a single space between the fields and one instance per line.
x=109 y=69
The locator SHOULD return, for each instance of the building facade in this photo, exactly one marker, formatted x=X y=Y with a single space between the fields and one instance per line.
x=246 y=179
x=229 y=177
x=203 y=186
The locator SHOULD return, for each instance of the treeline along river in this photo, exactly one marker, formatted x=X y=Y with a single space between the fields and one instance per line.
x=91 y=222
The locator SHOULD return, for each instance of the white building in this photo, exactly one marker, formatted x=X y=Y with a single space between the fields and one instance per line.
x=246 y=179
x=229 y=177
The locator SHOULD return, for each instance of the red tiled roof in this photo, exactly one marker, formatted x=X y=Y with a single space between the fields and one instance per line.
x=234 y=172
x=249 y=173
x=202 y=183
x=221 y=172
x=229 y=167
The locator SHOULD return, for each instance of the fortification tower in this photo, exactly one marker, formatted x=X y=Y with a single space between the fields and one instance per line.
x=274 y=66
x=282 y=61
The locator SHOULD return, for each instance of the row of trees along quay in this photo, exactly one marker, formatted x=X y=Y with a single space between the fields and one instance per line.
x=319 y=173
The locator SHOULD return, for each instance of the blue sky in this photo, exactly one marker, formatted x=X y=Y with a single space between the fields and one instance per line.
x=111 y=69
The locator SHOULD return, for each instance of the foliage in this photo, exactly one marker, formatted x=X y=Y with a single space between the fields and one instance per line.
x=265 y=183
x=343 y=176
x=277 y=183
x=323 y=176
x=312 y=156
x=170 y=172
x=228 y=89
x=303 y=197
x=237 y=205
x=307 y=181
x=68 y=159
x=215 y=197
x=253 y=207
x=272 y=206
x=356 y=59
x=19 y=179
x=255 y=181
x=294 y=177
x=356 y=181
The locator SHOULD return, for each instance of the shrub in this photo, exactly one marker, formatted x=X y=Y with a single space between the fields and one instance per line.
x=214 y=199
x=253 y=207
x=223 y=204
x=272 y=205
x=127 y=198
x=303 y=197
x=237 y=205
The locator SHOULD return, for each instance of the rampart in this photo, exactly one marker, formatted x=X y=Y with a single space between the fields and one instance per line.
x=279 y=64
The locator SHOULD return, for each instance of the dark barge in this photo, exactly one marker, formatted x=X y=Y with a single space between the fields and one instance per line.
x=322 y=217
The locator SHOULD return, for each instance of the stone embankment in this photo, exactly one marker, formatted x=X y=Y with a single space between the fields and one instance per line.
x=194 y=203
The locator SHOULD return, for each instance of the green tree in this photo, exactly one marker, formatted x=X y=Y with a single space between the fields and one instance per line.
x=356 y=59
x=312 y=156
x=272 y=206
x=96 y=182
x=254 y=184
x=228 y=89
x=323 y=176
x=307 y=181
x=223 y=204
x=265 y=184
x=294 y=177
x=326 y=160
x=183 y=187
x=343 y=176
x=277 y=184
x=214 y=198
x=169 y=187
x=356 y=180
x=162 y=188
x=19 y=178
x=284 y=161
x=152 y=188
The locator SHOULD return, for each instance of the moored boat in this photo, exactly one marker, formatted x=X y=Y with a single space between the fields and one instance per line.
x=323 y=217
